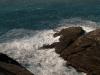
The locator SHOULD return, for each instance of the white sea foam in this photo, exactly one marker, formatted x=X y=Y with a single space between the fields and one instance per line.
x=39 y=61
x=76 y=22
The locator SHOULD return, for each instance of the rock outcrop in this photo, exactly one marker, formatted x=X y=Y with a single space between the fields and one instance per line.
x=80 y=50
x=8 y=66
x=68 y=36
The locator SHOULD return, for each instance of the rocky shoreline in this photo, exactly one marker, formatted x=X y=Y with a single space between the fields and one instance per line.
x=80 y=49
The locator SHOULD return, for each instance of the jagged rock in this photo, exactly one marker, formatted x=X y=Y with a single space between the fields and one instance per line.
x=68 y=36
x=82 y=51
x=8 y=66
x=76 y=31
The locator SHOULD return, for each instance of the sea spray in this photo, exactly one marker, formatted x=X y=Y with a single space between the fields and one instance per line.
x=41 y=62
x=23 y=45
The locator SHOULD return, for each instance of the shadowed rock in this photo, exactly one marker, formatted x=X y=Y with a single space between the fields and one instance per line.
x=8 y=66
x=4 y=58
x=84 y=53
x=68 y=36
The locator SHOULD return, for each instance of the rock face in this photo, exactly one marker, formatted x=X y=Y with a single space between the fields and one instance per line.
x=80 y=50
x=68 y=36
x=8 y=66
x=4 y=58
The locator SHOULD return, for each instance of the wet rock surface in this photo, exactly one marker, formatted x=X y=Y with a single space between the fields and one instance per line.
x=8 y=66
x=81 y=50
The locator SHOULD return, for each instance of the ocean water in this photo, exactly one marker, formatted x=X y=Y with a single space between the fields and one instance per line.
x=26 y=25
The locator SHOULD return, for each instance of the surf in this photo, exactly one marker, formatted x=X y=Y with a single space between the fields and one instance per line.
x=23 y=45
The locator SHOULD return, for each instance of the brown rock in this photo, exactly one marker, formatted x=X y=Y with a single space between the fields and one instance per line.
x=68 y=36
x=8 y=66
x=11 y=69
x=80 y=50
x=69 y=31
x=84 y=53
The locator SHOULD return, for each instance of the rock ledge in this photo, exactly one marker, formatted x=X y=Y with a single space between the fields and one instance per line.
x=81 y=50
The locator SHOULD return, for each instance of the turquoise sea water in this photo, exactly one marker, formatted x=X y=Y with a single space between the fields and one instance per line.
x=45 y=14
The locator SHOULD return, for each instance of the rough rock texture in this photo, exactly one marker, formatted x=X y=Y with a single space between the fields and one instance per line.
x=4 y=58
x=82 y=51
x=68 y=36
x=8 y=66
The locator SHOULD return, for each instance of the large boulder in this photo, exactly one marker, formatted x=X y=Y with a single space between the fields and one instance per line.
x=82 y=51
x=8 y=66
x=67 y=37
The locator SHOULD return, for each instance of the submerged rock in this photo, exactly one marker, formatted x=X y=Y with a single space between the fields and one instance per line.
x=8 y=66
x=81 y=50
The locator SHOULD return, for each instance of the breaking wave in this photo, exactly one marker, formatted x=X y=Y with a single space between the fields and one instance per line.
x=23 y=45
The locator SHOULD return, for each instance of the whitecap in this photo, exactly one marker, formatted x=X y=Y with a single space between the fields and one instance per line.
x=87 y=25
x=23 y=46
x=40 y=62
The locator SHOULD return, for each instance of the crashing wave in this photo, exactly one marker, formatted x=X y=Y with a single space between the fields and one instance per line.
x=26 y=50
